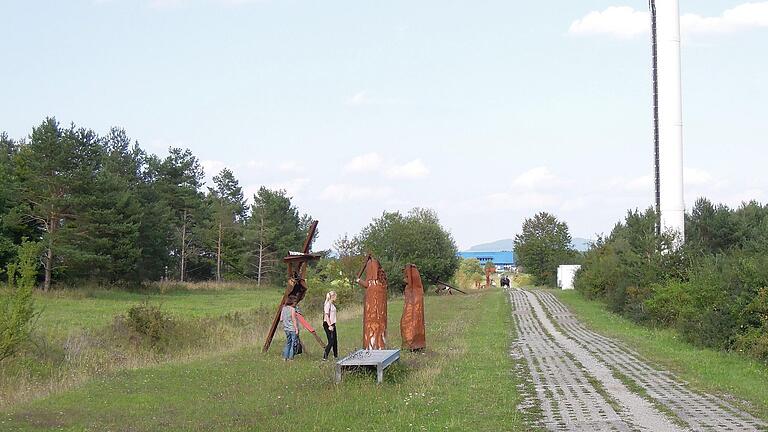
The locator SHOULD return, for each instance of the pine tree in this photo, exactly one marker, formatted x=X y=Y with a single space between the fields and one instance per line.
x=229 y=212
x=8 y=200
x=274 y=229
x=55 y=170
x=179 y=178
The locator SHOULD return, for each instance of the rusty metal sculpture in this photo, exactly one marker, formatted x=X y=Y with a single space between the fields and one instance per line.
x=488 y=272
x=297 y=285
x=412 y=330
x=445 y=288
x=375 y=306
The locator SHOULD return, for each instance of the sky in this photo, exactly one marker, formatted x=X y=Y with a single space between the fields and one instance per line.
x=485 y=111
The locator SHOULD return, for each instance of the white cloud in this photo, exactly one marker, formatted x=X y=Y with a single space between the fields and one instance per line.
x=367 y=97
x=293 y=186
x=290 y=167
x=626 y=22
x=536 y=178
x=742 y=17
x=620 y=21
x=696 y=177
x=252 y=164
x=166 y=4
x=346 y=192
x=737 y=199
x=365 y=163
x=212 y=167
x=411 y=170
x=359 y=98
x=170 y=4
x=640 y=184
x=374 y=163
x=528 y=201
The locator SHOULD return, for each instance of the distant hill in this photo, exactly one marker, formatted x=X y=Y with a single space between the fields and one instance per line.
x=580 y=244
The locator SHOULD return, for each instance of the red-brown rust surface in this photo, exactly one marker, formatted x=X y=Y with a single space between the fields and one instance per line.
x=488 y=272
x=412 y=329
x=375 y=307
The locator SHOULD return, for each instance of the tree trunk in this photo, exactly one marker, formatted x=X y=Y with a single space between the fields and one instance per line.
x=49 y=254
x=218 y=256
x=261 y=256
x=183 y=246
x=261 y=250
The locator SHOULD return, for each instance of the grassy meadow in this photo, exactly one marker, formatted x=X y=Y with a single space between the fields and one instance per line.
x=82 y=333
x=463 y=381
x=709 y=370
x=64 y=312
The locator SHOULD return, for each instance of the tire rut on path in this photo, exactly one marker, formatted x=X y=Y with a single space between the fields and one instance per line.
x=699 y=411
x=577 y=392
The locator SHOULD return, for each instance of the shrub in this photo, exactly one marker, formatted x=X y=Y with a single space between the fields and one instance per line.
x=150 y=323
x=709 y=290
x=754 y=320
x=17 y=308
x=666 y=301
x=469 y=273
x=522 y=279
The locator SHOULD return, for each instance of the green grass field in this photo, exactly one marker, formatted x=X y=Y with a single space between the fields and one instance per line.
x=709 y=370
x=67 y=311
x=464 y=381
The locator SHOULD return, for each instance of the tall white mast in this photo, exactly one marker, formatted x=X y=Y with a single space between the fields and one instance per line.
x=666 y=14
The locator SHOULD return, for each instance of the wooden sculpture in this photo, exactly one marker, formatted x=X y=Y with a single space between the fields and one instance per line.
x=375 y=306
x=412 y=328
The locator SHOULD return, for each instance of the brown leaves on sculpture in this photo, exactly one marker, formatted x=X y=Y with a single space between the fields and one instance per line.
x=375 y=306
x=412 y=328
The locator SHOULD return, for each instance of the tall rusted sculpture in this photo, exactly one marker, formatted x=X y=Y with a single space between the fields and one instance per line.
x=375 y=306
x=489 y=270
x=412 y=330
x=297 y=285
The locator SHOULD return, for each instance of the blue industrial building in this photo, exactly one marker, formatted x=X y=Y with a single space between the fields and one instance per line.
x=504 y=260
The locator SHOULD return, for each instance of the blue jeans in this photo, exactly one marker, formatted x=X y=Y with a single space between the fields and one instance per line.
x=290 y=342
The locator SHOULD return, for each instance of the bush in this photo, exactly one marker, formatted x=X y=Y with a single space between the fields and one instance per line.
x=710 y=290
x=17 y=308
x=150 y=323
x=666 y=301
x=754 y=340
x=522 y=279
x=470 y=273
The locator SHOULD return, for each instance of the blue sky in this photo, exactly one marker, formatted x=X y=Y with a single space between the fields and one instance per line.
x=486 y=111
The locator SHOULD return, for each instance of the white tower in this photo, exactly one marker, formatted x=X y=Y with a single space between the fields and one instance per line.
x=668 y=116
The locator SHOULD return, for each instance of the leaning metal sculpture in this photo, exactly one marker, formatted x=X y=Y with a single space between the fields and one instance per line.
x=297 y=284
x=412 y=330
x=375 y=306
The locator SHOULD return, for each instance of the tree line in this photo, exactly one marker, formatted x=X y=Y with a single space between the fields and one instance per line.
x=104 y=210
x=713 y=290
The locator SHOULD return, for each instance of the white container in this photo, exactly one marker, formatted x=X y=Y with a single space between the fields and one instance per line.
x=566 y=275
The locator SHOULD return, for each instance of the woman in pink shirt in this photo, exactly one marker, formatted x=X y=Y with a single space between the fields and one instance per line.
x=329 y=325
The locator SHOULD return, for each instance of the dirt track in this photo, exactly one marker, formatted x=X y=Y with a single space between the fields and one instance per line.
x=587 y=382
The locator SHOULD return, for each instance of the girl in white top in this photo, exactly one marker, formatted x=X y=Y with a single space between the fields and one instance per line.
x=329 y=325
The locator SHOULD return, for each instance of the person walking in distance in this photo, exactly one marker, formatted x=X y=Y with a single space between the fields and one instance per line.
x=329 y=325
x=291 y=327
